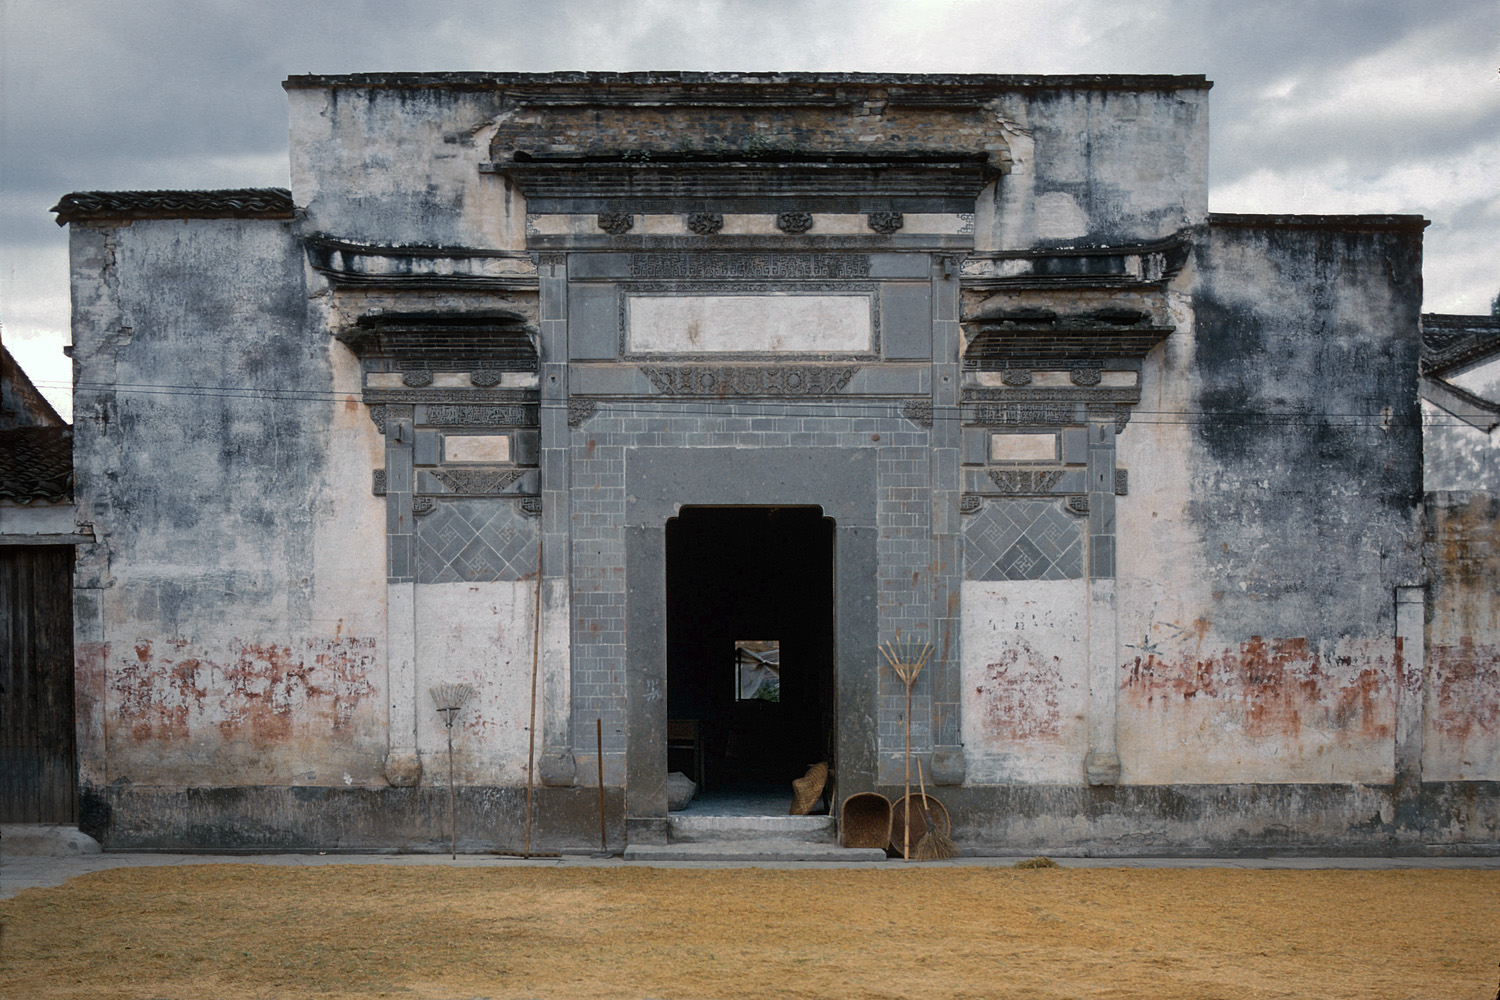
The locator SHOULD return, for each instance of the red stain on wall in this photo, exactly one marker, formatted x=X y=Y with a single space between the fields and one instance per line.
x=1277 y=687
x=1019 y=693
x=1465 y=690
x=266 y=692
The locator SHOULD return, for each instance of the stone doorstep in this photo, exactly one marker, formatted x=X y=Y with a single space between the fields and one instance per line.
x=799 y=829
x=766 y=849
x=45 y=840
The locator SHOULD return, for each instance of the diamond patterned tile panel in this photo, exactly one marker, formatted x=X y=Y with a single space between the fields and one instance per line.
x=1023 y=540
x=475 y=541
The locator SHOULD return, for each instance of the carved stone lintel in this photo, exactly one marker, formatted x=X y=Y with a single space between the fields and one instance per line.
x=1025 y=481
x=1122 y=482
x=416 y=379
x=486 y=379
x=580 y=409
x=705 y=223
x=727 y=266
x=422 y=505
x=1024 y=414
x=750 y=380
x=1016 y=376
x=530 y=506
x=377 y=414
x=377 y=482
x=480 y=415
x=1078 y=505
x=885 y=223
x=477 y=482
x=794 y=222
x=616 y=223
x=918 y=411
x=970 y=503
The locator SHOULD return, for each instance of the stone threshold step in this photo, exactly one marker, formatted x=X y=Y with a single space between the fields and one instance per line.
x=751 y=850
x=811 y=829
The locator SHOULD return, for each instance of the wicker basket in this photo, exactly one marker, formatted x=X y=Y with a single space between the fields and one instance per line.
x=900 y=812
x=808 y=789
x=865 y=821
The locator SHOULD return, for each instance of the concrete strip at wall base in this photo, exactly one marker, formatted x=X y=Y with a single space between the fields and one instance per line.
x=323 y=818
x=1457 y=819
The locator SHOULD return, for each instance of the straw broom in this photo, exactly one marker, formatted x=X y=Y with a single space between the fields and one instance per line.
x=907 y=659
x=935 y=845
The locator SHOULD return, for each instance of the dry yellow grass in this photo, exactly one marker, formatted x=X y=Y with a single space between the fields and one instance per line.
x=236 y=931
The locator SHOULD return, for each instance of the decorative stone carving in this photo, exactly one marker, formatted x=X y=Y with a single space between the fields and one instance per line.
x=1122 y=482
x=749 y=266
x=1094 y=396
x=918 y=411
x=1085 y=376
x=377 y=414
x=416 y=379
x=794 y=223
x=579 y=410
x=885 y=223
x=422 y=505
x=1016 y=376
x=465 y=395
x=481 y=416
x=750 y=380
x=705 y=223
x=1025 y=481
x=1122 y=417
x=486 y=379
x=377 y=482
x=530 y=506
x=1078 y=505
x=616 y=223
x=1010 y=414
x=477 y=482
x=970 y=503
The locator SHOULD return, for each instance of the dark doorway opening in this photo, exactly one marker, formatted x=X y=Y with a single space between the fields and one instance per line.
x=750 y=657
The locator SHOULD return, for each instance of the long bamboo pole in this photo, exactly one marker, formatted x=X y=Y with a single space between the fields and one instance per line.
x=536 y=645
x=599 y=754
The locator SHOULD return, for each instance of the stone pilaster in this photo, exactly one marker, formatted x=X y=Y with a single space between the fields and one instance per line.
x=1102 y=765
x=556 y=745
x=947 y=538
x=402 y=766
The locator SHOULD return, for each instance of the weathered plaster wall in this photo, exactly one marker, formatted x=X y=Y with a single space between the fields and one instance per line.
x=1097 y=167
x=477 y=634
x=1272 y=513
x=230 y=620
x=1025 y=681
x=1461 y=732
x=396 y=166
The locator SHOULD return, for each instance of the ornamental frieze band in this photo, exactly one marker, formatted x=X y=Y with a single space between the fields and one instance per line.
x=732 y=266
x=750 y=380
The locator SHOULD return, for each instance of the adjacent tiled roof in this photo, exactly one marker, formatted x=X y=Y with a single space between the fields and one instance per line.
x=36 y=465
x=1450 y=342
x=233 y=203
x=595 y=81
x=1347 y=223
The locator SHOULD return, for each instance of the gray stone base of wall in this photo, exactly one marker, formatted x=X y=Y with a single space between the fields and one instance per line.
x=1441 y=819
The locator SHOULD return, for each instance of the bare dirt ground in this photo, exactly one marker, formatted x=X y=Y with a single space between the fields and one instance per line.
x=236 y=931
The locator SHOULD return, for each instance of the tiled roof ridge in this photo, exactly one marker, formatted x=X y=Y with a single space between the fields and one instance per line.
x=226 y=203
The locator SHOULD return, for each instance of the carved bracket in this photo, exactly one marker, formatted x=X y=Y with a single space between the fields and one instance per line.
x=918 y=411
x=579 y=411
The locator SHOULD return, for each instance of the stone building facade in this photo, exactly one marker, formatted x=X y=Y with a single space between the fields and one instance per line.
x=608 y=371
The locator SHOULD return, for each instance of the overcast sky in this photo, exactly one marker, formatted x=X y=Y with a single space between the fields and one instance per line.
x=1318 y=106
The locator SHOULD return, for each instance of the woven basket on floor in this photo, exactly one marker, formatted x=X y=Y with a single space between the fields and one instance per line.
x=899 y=812
x=865 y=821
x=808 y=789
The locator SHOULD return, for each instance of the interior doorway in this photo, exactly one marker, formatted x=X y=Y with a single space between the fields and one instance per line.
x=751 y=691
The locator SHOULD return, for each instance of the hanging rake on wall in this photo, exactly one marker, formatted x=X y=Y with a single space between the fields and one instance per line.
x=449 y=699
x=907 y=657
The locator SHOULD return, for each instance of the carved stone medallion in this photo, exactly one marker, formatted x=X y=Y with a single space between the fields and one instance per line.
x=1085 y=376
x=705 y=223
x=416 y=379
x=616 y=223
x=885 y=223
x=1016 y=376
x=377 y=482
x=1122 y=482
x=793 y=223
x=486 y=379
